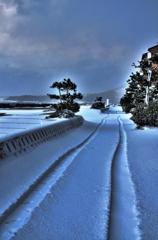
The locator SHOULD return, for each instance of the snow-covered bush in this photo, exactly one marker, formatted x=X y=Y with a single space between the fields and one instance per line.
x=98 y=103
x=146 y=115
x=139 y=115
x=64 y=113
x=67 y=114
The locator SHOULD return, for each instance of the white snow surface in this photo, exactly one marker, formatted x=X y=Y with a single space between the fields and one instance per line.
x=124 y=215
x=79 y=200
x=19 y=121
x=143 y=162
x=74 y=202
x=26 y=168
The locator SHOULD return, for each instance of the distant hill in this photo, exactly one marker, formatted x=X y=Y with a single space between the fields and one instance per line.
x=113 y=95
x=29 y=98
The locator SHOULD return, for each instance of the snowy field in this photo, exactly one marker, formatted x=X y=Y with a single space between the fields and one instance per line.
x=23 y=120
x=106 y=188
x=19 y=121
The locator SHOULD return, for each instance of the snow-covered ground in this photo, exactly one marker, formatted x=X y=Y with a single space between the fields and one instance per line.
x=91 y=115
x=143 y=160
x=19 y=121
x=27 y=168
x=104 y=189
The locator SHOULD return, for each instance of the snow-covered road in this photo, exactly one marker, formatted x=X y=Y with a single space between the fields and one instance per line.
x=101 y=190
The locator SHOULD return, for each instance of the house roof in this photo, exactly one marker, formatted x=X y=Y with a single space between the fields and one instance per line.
x=153 y=49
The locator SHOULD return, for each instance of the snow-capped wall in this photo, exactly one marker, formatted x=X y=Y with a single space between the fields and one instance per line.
x=19 y=143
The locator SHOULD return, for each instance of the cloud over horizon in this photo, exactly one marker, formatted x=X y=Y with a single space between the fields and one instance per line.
x=94 y=43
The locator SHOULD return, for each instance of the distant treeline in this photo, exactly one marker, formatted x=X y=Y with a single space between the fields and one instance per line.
x=23 y=105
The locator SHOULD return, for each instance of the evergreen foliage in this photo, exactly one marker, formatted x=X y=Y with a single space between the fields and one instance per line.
x=67 y=94
x=135 y=93
x=98 y=103
x=146 y=115
x=141 y=95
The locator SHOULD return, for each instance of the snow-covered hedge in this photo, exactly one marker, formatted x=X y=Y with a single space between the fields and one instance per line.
x=146 y=115
x=19 y=143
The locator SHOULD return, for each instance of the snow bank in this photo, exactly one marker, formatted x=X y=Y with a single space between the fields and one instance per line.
x=20 y=142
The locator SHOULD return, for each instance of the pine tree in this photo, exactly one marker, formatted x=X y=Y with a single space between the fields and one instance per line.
x=141 y=95
x=135 y=92
x=98 y=103
x=67 y=93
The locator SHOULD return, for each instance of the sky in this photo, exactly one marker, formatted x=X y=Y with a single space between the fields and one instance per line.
x=93 y=42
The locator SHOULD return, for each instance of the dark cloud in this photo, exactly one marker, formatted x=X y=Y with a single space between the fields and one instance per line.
x=95 y=42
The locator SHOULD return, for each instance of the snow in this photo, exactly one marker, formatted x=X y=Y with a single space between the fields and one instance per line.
x=75 y=199
x=143 y=161
x=79 y=200
x=123 y=196
x=44 y=155
x=91 y=115
x=26 y=165
x=23 y=120
x=26 y=112
x=27 y=207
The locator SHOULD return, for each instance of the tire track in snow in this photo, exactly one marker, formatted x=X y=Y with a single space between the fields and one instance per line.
x=20 y=213
x=123 y=222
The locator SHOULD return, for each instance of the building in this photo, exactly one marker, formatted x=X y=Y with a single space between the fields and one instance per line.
x=150 y=65
x=152 y=57
x=153 y=50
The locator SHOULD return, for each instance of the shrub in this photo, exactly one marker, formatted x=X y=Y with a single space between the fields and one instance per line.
x=146 y=115
x=98 y=104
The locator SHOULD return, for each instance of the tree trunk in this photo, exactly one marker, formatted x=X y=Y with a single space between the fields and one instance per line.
x=60 y=95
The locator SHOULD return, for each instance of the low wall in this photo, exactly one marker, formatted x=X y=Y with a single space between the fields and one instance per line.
x=20 y=143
